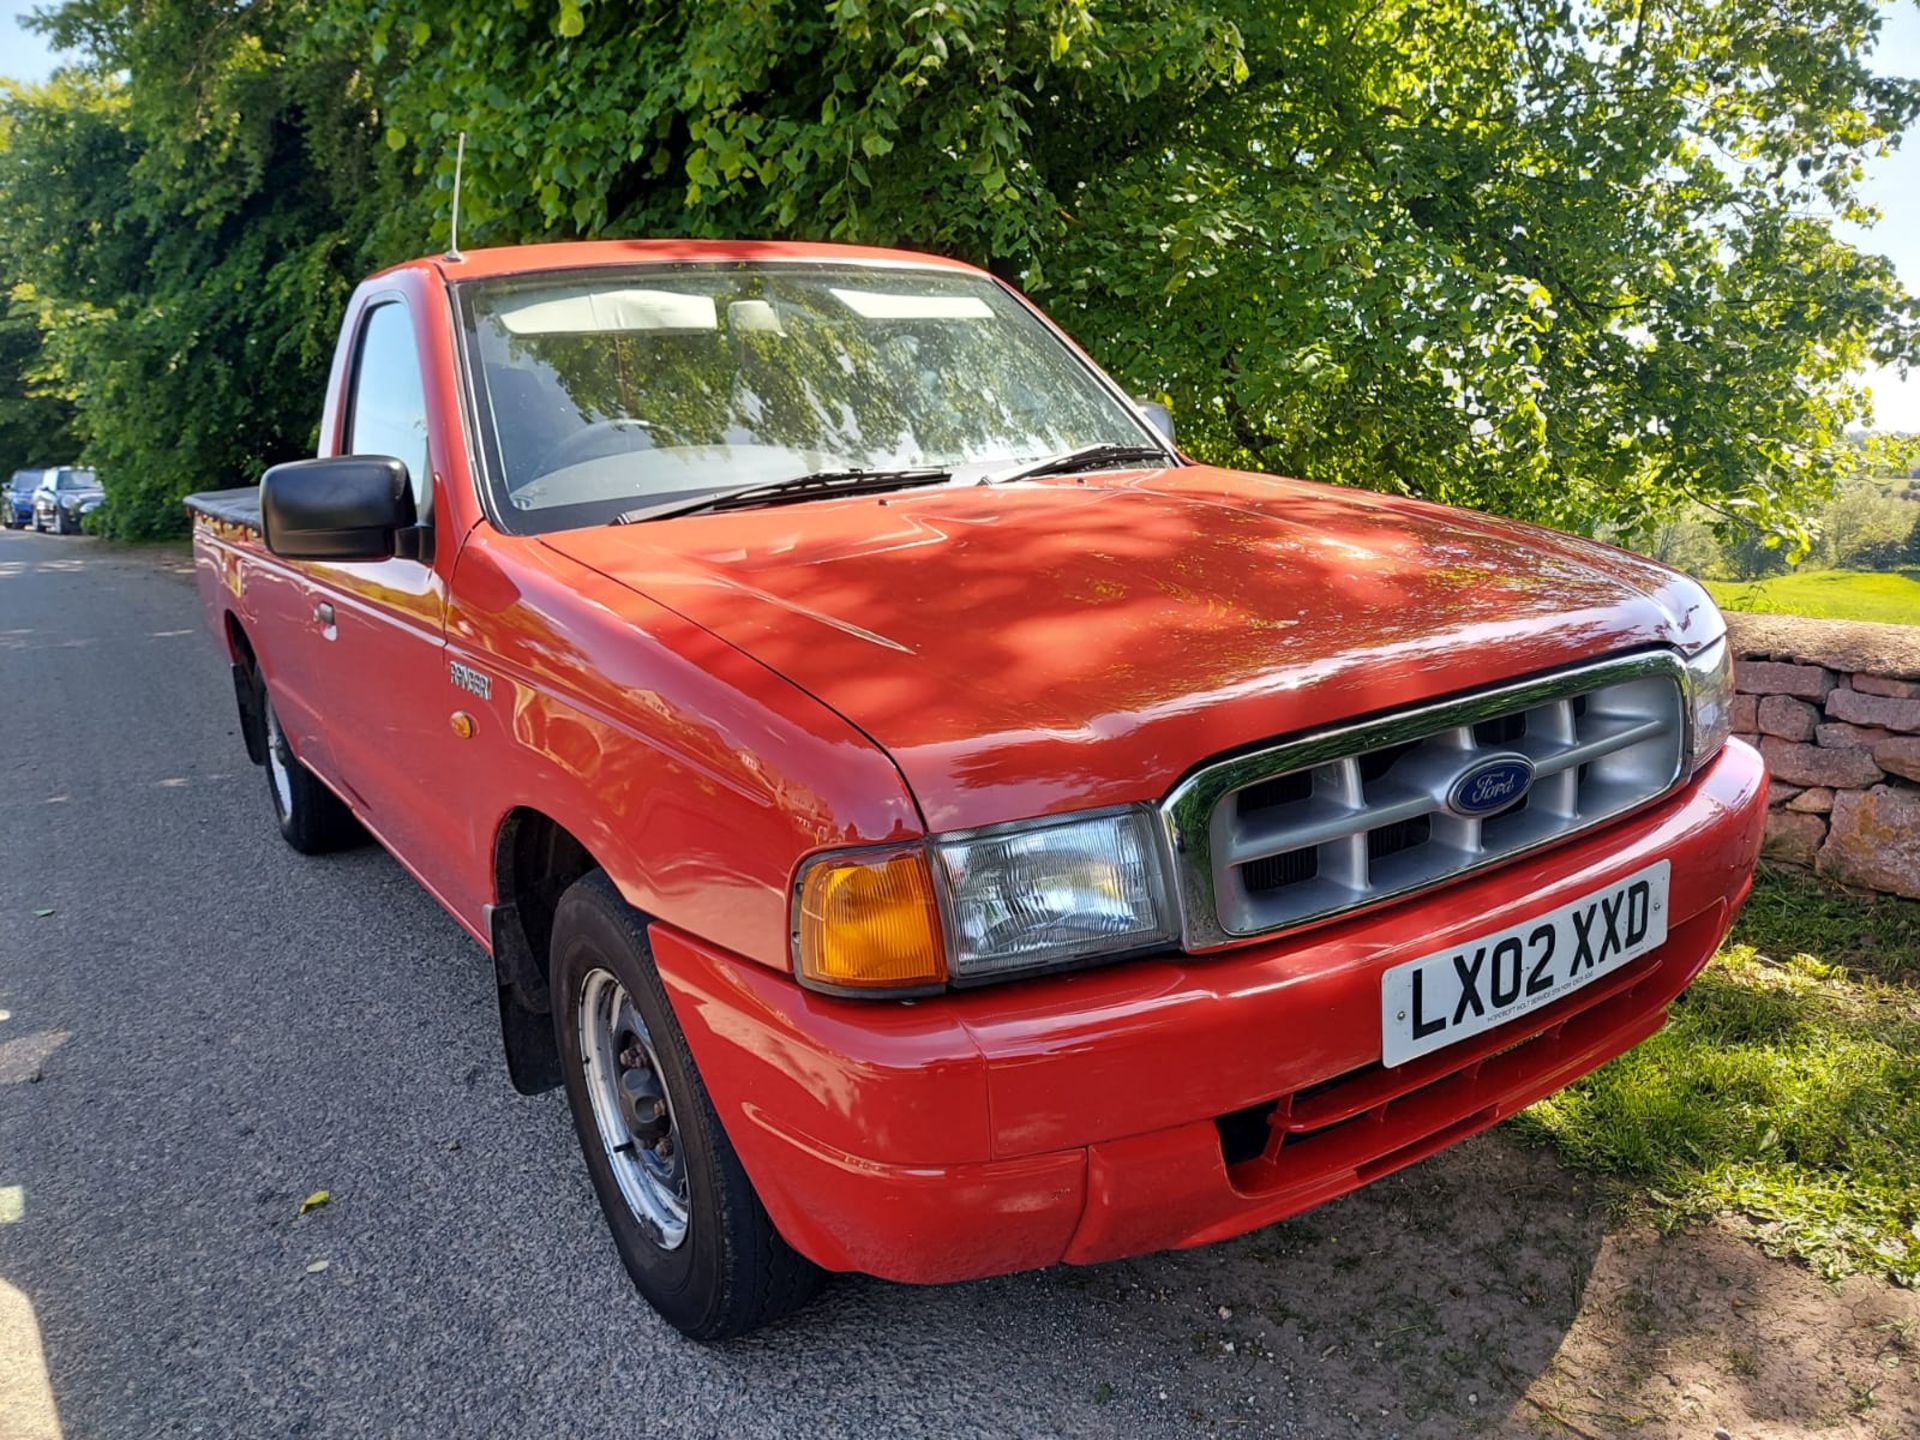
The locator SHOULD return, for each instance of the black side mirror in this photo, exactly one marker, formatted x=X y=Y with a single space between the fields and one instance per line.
x=1159 y=416
x=346 y=507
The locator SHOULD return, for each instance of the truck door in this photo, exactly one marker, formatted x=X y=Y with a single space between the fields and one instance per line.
x=279 y=604
x=386 y=697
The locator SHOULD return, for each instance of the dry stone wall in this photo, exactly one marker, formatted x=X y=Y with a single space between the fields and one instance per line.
x=1834 y=705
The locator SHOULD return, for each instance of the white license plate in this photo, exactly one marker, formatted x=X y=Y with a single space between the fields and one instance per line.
x=1468 y=989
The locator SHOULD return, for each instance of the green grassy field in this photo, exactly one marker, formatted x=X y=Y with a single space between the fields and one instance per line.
x=1828 y=594
x=1785 y=1089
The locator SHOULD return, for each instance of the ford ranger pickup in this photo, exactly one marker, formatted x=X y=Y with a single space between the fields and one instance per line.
x=928 y=825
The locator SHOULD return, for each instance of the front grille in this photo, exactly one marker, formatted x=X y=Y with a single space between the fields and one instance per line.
x=1343 y=818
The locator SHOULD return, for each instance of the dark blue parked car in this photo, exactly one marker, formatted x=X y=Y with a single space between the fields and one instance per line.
x=16 y=500
x=65 y=496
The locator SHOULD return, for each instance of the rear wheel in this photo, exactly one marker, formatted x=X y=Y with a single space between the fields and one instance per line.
x=313 y=820
x=691 y=1232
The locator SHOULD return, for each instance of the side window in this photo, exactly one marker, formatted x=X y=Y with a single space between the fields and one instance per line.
x=389 y=412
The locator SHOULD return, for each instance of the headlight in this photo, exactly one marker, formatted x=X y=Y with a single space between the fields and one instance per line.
x=1033 y=896
x=1710 y=700
x=982 y=904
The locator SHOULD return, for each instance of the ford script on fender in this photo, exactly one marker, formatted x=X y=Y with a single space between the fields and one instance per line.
x=1461 y=991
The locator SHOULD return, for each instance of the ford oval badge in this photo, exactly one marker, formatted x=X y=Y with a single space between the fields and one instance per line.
x=1491 y=785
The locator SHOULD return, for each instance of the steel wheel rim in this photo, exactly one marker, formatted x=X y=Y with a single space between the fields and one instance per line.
x=617 y=1053
x=279 y=763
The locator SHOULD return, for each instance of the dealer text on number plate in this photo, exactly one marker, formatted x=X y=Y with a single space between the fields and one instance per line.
x=1468 y=989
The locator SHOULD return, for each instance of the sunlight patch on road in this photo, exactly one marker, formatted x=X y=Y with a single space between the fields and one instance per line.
x=13 y=1203
x=8 y=642
x=27 y=1410
x=20 y=1060
x=11 y=568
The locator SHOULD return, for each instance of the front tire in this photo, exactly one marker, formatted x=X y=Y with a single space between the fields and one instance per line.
x=60 y=526
x=313 y=820
x=693 y=1235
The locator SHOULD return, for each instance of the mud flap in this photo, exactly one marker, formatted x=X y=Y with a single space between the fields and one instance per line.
x=253 y=723
x=526 y=1010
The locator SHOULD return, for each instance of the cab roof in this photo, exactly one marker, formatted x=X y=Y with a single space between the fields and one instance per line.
x=487 y=263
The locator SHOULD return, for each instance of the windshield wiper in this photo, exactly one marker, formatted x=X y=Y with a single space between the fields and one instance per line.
x=1087 y=457
x=812 y=486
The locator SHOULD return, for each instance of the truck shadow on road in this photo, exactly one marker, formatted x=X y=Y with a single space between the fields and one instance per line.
x=1489 y=1290
x=1422 y=1305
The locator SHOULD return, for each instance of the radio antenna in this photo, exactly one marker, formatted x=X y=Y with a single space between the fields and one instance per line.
x=453 y=234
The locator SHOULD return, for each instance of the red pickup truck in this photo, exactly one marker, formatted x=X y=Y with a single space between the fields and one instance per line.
x=928 y=825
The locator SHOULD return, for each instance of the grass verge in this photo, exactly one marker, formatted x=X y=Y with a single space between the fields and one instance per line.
x=1828 y=594
x=1784 y=1090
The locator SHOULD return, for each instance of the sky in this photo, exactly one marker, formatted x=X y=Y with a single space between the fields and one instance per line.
x=1893 y=183
x=1893 y=186
x=23 y=56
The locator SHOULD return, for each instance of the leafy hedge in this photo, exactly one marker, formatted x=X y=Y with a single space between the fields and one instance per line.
x=1571 y=263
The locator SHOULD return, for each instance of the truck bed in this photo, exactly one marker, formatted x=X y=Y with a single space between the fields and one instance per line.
x=239 y=506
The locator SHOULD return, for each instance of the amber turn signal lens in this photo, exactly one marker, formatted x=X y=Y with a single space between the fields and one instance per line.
x=870 y=923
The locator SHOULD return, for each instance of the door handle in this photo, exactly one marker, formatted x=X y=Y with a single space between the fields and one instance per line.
x=323 y=613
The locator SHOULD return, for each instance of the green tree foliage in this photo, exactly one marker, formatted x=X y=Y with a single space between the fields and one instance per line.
x=36 y=418
x=188 y=236
x=1562 y=266
x=1864 y=527
x=1684 y=540
x=1571 y=262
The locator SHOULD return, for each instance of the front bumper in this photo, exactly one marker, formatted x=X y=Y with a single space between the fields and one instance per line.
x=1108 y=1112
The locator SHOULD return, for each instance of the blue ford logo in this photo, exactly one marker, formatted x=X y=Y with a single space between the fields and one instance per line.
x=1490 y=785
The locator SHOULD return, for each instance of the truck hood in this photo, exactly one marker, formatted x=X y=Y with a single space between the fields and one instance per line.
x=1041 y=646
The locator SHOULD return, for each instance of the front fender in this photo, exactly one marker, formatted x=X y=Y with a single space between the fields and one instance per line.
x=696 y=778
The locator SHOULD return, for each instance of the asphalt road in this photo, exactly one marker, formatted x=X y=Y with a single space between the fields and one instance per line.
x=200 y=1028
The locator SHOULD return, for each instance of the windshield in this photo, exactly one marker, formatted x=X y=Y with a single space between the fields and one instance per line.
x=76 y=480
x=619 y=390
